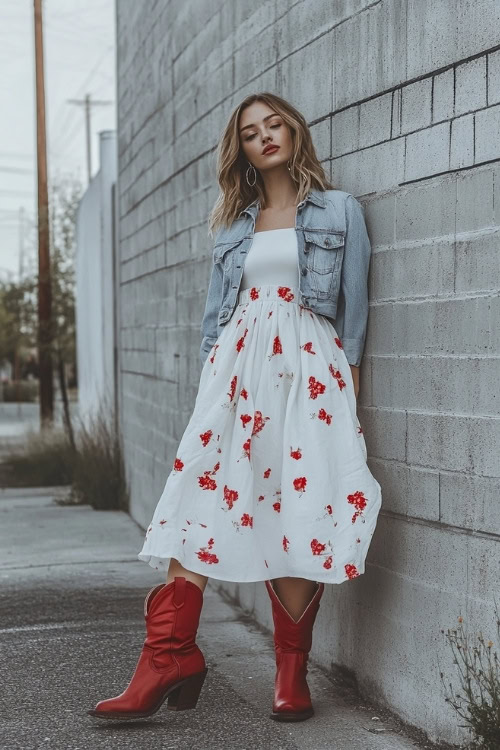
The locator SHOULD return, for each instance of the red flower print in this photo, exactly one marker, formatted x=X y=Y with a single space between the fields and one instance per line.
x=317 y=547
x=247 y=520
x=277 y=507
x=277 y=348
x=178 y=465
x=254 y=293
x=286 y=542
x=216 y=346
x=258 y=422
x=300 y=483
x=359 y=501
x=230 y=496
x=308 y=347
x=204 y=525
x=261 y=498
x=233 y=387
x=329 y=509
x=245 y=419
x=267 y=473
x=338 y=342
x=206 y=556
x=239 y=321
x=162 y=522
x=244 y=393
x=351 y=571
x=360 y=431
x=147 y=532
x=205 y=437
x=269 y=314
x=358 y=540
x=322 y=414
x=328 y=562
x=206 y=483
x=255 y=320
x=295 y=454
x=241 y=342
x=246 y=448
x=285 y=293
x=315 y=387
x=337 y=375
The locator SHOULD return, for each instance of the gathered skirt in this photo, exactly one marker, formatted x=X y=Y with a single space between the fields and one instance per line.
x=270 y=477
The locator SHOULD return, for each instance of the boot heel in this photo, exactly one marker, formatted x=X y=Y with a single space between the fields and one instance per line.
x=187 y=694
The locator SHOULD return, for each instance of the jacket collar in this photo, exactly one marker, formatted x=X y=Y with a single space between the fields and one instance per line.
x=314 y=196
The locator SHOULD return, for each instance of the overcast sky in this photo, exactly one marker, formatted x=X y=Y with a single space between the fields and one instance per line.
x=79 y=51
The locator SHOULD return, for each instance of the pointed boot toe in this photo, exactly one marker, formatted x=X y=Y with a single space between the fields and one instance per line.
x=171 y=665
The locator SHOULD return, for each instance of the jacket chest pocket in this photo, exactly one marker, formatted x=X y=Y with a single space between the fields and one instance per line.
x=224 y=254
x=324 y=251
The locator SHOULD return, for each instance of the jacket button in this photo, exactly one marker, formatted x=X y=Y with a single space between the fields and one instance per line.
x=327 y=241
x=304 y=271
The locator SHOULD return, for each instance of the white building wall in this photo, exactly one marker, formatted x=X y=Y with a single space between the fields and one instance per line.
x=95 y=293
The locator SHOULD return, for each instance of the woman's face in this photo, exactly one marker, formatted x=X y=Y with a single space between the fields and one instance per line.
x=259 y=127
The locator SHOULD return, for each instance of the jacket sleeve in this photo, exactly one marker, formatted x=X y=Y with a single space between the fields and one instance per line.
x=352 y=316
x=208 y=326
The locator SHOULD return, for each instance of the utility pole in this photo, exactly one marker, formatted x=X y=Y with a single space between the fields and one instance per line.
x=44 y=282
x=88 y=103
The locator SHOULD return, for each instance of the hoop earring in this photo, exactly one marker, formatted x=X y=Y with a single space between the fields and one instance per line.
x=251 y=166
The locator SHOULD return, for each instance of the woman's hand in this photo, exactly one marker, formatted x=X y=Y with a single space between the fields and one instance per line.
x=355 y=379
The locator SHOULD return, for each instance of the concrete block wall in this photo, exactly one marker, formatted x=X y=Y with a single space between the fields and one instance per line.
x=403 y=101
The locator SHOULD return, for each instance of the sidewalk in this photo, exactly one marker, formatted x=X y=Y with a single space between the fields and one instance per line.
x=72 y=624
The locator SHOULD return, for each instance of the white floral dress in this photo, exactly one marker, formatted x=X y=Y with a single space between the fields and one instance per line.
x=270 y=477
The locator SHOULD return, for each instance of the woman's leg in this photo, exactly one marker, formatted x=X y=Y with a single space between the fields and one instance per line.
x=176 y=569
x=295 y=594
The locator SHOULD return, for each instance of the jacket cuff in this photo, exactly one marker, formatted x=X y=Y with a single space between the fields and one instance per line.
x=353 y=350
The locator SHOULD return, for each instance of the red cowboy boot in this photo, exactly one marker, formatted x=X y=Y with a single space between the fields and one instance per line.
x=292 y=643
x=171 y=665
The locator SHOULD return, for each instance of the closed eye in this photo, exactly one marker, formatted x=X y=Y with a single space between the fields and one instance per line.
x=272 y=126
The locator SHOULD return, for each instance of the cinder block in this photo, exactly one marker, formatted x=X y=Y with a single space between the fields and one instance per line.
x=417 y=270
x=345 y=131
x=435 y=384
x=408 y=490
x=455 y=443
x=321 y=135
x=462 y=142
x=443 y=95
x=427 y=152
x=470 y=87
x=477 y=264
x=487 y=134
x=384 y=432
x=426 y=210
x=470 y=502
x=375 y=120
x=416 y=105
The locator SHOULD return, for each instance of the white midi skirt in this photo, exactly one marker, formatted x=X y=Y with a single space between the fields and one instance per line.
x=270 y=477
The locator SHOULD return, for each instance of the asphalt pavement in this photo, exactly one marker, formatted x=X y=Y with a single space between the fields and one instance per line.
x=72 y=626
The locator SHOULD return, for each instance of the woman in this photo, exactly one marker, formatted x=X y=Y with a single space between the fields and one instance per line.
x=270 y=481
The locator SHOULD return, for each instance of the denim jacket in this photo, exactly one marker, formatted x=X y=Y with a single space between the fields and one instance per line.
x=333 y=262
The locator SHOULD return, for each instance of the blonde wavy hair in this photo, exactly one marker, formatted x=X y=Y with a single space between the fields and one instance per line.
x=235 y=193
